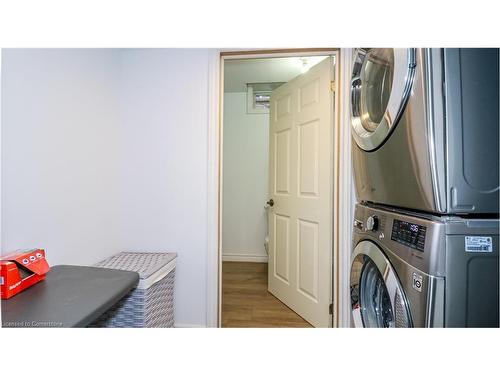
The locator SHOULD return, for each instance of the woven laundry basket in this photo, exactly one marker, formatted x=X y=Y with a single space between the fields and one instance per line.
x=151 y=304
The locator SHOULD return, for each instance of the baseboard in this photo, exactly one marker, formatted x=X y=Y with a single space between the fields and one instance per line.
x=183 y=325
x=244 y=258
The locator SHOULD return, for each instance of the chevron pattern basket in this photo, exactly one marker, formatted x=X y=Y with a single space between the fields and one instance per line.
x=143 y=307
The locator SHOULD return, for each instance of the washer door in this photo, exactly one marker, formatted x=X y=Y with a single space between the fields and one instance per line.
x=381 y=83
x=377 y=298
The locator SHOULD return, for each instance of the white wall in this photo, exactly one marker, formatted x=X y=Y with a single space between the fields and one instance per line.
x=106 y=150
x=61 y=153
x=165 y=117
x=245 y=181
x=1 y=235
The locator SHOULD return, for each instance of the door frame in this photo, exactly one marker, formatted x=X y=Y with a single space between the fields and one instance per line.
x=342 y=178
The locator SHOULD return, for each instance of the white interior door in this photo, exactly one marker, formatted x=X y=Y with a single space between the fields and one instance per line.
x=301 y=187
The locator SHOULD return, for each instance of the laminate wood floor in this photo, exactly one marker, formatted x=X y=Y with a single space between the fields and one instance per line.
x=246 y=301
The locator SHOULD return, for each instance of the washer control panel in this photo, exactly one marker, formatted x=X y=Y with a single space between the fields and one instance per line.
x=409 y=234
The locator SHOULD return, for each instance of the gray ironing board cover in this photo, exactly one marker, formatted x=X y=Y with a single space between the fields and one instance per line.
x=70 y=296
x=144 y=263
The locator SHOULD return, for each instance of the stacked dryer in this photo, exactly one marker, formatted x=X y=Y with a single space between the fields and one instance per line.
x=425 y=129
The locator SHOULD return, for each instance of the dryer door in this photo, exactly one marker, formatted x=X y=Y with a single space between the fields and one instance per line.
x=377 y=298
x=381 y=83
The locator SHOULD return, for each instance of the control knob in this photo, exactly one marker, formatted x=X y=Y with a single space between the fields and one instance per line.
x=372 y=223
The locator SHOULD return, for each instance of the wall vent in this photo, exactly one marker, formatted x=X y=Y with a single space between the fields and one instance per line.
x=259 y=95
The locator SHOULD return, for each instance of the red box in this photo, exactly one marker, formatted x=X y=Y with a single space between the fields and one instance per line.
x=20 y=270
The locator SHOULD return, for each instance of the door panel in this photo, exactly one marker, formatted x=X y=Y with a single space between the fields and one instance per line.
x=309 y=94
x=282 y=247
x=308 y=259
x=301 y=186
x=283 y=107
x=309 y=159
x=282 y=158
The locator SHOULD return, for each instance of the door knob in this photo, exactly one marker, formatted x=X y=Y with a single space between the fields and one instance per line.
x=270 y=203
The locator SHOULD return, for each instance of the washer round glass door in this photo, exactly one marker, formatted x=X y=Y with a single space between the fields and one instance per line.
x=380 y=86
x=377 y=298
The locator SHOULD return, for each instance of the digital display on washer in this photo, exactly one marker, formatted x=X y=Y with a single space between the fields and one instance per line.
x=409 y=234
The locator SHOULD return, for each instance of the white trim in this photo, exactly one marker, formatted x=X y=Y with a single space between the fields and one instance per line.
x=346 y=191
x=220 y=134
x=233 y=257
x=183 y=325
x=214 y=205
x=277 y=54
x=213 y=260
x=334 y=152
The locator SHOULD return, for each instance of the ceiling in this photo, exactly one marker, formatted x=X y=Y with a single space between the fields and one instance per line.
x=237 y=73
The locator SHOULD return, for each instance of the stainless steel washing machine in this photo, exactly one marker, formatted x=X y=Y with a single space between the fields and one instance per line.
x=420 y=270
x=425 y=126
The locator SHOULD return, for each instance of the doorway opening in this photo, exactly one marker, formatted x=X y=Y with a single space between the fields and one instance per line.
x=276 y=200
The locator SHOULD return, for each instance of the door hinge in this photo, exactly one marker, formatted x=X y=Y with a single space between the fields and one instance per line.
x=332 y=86
x=330 y=309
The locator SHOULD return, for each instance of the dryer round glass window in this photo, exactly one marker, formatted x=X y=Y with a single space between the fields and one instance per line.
x=376 y=82
x=381 y=83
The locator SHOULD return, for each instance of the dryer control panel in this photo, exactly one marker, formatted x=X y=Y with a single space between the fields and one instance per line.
x=409 y=234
